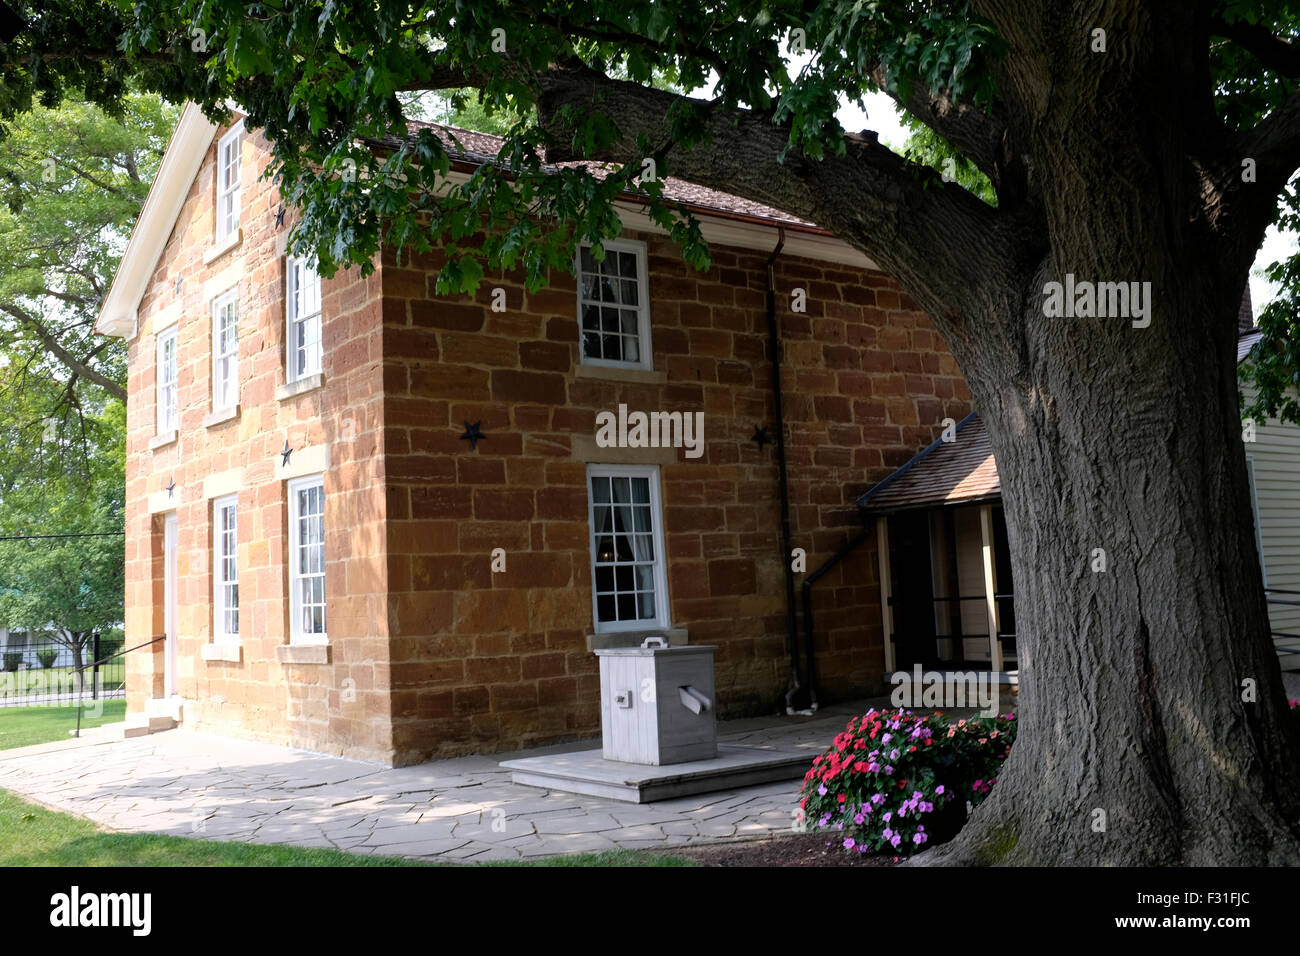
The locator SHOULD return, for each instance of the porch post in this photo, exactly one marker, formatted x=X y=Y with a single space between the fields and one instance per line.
x=990 y=586
x=886 y=591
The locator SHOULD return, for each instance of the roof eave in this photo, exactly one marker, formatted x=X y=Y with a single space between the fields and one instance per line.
x=180 y=165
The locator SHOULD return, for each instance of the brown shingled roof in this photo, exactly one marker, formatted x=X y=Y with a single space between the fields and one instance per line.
x=482 y=148
x=946 y=473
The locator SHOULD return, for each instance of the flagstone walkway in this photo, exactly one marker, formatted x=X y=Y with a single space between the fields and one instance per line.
x=207 y=786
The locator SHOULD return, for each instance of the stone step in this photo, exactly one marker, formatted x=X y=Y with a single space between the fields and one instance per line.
x=589 y=773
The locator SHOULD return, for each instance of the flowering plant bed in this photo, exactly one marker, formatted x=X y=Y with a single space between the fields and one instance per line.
x=896 y=781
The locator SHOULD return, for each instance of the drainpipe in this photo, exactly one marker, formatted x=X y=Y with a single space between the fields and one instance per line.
x=774 y=346
x=808 y=583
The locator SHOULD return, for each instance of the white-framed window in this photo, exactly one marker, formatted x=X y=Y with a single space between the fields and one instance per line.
x=303 y=354
x=628 y=571
x=225 y=351
x=225 y=568
x=229 y=180
x=307 y=560
x=614 y=306
x=166 y=345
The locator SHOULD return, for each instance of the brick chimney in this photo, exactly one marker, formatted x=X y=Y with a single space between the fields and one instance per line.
x=1245 y=315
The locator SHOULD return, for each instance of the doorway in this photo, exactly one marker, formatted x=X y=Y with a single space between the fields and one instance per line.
x=170 y=529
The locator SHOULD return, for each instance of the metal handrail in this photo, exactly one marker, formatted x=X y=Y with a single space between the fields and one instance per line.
x=81 y=684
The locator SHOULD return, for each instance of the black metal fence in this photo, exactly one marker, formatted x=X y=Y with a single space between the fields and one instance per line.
x=39 y=668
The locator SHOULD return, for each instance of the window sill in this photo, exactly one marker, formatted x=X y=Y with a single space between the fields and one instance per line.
x=158 y=441
x=296 y=388
x=644 y=376
x=303 y=653
x=228 y=651
x=223 y=246
x=221 y=416
x=676 y=636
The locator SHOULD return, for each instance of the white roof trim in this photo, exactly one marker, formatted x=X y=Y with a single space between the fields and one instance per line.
x=180 y=164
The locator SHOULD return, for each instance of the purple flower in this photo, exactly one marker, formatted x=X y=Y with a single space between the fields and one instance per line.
x=938 y=790
x=919 y=839
x=858 y=818
x=849 y=843
x=887 y=816
x=889 y=771
x=887 y=833
x=821 y=791
x=896 y=840
x=885 y=738
x=878 y=799
x=917 y=794
x=893 y=755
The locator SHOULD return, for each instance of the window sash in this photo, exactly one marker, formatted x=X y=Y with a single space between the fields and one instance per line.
x=628 y=566
x=166 y=344
x=228 y=183
x=613 y=306
x=307 y=560
x=225 y=352
x=304 y=315
x=225 y=568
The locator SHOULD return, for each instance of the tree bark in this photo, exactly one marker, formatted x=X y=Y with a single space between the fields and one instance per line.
x=1153 y=724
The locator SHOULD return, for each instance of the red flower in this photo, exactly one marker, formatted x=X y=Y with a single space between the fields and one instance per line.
x=842 y=797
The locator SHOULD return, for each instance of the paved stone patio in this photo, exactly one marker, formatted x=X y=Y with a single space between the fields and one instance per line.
x=207 y=786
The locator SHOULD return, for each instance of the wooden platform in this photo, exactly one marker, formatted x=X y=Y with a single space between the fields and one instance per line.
x=589 y=773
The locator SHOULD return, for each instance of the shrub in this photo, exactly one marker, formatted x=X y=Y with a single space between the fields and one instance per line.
x=898 y=781
x=13 y=660
x=47 y=656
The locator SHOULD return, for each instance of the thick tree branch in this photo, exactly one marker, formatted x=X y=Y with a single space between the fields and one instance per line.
x=932 y=237
x=1268 y=156
x=63 y=355
x=1272 y=51
x=972 y=132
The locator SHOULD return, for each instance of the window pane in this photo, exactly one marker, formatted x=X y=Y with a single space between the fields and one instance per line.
x=627 y=607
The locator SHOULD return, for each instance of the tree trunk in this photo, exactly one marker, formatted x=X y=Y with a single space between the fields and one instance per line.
x=1152 y=720
x=75 y=641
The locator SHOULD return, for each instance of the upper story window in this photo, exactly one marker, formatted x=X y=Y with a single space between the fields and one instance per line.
x=229 y=180
x=225 y=565
x=304 y=313
x=307 y=560
x=225 y=351
x=613 y=307
x=630 y=590
x=166 y=345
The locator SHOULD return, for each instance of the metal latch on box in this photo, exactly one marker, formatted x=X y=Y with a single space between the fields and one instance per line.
x=623 y=699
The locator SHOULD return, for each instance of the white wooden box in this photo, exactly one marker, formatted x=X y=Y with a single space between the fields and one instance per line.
x=657 y=704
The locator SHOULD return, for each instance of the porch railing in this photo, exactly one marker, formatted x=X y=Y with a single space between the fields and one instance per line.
x=1295 y=595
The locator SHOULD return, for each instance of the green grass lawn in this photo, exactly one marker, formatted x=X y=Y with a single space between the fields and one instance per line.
x=31 y=835
x=23 y=726
x=59 y=680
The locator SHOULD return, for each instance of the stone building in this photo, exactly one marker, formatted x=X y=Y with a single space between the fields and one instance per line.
x=332 y=559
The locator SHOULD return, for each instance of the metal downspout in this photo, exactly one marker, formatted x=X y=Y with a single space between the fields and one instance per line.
x=774 y=346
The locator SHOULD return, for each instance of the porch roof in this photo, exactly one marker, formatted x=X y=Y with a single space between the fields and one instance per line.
x=945 y=473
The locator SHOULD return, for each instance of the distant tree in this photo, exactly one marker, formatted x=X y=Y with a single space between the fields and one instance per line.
x=70 y=587
x=72 y=182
